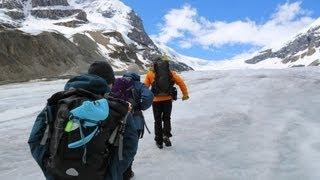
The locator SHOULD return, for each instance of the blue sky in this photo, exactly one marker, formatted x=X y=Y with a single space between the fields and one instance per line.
x=222 y=29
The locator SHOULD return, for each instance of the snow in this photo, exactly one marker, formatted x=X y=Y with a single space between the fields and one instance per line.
x=238 y=124
x=308 y=59
x=5 y=18
x=115 y=41
x=238 y=62
x=94 y=10
x=315 y=24
x=53 y=8
x=234 y=63
x=303 y=31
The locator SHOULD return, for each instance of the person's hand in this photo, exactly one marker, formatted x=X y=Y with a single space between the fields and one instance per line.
x=130 y=107
x=185 y=97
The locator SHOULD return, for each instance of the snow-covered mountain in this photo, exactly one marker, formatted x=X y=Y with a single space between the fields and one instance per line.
x=46 y=38
x=50 y=38
x=302 y=50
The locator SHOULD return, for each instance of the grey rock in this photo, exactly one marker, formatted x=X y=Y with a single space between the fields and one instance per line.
x=5 y=26
x=16 y=15
x=138 y=33
x=82 y=16
x=116 y=35
x=311 y=51
x=72 y=24
x=36 y=3
x=262 y=56
x=85 y=43
x=290 y=59
x=24 y=57
x=126 y=53
x=109 y=13
x=179 y=66
x=299 y=65
x=12 y=4
x=308 y=41
x=315 y=63
x=58 y=13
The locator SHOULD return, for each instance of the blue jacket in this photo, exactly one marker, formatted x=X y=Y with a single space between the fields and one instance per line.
x=144 y=96
x=96 y=85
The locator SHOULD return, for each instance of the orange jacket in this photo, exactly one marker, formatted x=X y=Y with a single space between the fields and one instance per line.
x=177 y=80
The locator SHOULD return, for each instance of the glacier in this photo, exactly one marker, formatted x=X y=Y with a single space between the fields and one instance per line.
x=237 y=125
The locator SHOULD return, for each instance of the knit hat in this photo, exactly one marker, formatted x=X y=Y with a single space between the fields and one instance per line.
x=161 y=57
x=165 y=57
x=103 y=70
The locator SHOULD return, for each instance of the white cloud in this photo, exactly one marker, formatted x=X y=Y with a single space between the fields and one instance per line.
x=186 y=26
x=288 y=12
x=177 y=22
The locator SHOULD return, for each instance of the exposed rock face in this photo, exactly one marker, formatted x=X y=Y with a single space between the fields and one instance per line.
x=179 y=66
x=12 y=4
x=262 y=56
x=109 y=13
x=138 y=33
x=24 y=57
x=71 y=24
x=121 y=50
x=76 y=43
x=16 y=15
x=315 y=63
x=4 y=26
x=307 y=42
x=299 y=65
x=58 y=13
x=36 y=3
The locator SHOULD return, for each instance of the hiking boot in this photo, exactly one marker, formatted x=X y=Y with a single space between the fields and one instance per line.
x=160 y=145
x=131 y=174
x=167 y=141
x=128 y=175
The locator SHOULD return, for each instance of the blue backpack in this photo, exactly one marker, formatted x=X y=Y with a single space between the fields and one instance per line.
x=73 y=137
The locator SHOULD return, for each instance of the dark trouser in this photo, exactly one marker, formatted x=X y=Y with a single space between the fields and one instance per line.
x=127 y=173
x=162 y=113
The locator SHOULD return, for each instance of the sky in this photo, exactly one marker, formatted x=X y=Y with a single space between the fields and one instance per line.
x=224 y=29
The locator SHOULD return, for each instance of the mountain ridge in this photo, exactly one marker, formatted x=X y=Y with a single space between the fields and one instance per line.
x=96 y=29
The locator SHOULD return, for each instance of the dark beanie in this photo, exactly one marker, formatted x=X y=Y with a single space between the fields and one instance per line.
x=102 y=69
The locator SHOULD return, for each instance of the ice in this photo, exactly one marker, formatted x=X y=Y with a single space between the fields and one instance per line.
x=238 y=125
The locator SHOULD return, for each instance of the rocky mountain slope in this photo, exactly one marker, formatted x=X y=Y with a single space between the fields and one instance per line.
x=302 y=50
x=49 y=38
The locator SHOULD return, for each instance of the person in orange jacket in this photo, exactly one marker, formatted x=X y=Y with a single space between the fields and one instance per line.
x=162 y=102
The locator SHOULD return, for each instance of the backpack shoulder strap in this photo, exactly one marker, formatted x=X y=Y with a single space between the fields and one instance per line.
x=48 y=119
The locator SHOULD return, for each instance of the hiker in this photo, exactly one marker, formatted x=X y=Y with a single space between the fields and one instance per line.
x=162 y=80
x=84 y=134
x=129 y=88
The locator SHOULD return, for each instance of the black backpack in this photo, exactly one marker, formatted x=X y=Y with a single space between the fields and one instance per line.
x=163 y=84
x=91 y=160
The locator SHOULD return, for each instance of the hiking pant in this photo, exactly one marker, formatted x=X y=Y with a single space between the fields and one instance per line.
x=127 y=173
x=162 y=113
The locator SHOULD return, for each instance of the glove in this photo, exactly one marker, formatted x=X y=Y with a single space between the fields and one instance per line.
x=185 y=97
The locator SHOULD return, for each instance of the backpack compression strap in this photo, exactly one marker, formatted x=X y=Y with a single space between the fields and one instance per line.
x=48 y=116
x=89 y=114
x=121 y=130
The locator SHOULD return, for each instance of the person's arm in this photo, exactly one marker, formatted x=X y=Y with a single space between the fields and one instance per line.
x=147 y=80
x=146 y=97
x=183 y=87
